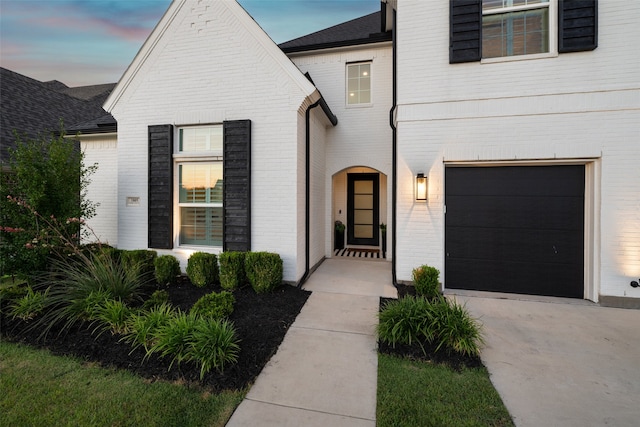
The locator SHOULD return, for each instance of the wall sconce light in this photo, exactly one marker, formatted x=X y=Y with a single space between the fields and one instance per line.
x=634 y=284
x=421 y=187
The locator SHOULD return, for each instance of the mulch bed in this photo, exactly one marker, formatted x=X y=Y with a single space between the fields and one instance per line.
x=261 y=321
x=425 y=351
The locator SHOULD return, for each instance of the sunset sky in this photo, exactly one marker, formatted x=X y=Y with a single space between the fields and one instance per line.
x=84 y=42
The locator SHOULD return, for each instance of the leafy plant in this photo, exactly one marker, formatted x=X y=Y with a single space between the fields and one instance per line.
x=456 y=329
x=173 y=338
x=114 y=314
x=213 y=345
x=215 y=305
x=264 y=271
x=28 y=306
x=142 y=326
x=232 y=273
x=49 y=176
x=167 y=270
x=141 y=260
x=406 y=321
x=202 y=269
x=158 y=297
x=425 y=279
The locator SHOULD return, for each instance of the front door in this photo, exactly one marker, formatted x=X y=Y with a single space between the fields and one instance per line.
x=362 y=209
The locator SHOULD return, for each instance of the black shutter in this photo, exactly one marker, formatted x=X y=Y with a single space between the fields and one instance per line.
x=237 y=185
x=160 y=219
x=465 y=31
x=577 y=25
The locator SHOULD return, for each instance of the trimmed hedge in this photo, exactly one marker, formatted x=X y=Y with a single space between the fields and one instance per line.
x=215 y=305
x=425 y=279
x=167 y=270
x=140 y=258
x=264 y=271
x=202 y=269
x=232 y=273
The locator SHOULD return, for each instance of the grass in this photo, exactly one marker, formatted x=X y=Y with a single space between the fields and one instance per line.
x=39 y=389
x=421 y=394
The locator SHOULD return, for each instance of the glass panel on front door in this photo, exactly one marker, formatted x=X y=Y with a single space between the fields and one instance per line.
x=363 y=209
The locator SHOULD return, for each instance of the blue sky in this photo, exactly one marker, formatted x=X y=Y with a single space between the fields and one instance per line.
x=84 y=42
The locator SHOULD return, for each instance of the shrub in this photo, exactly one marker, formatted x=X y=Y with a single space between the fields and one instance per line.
x=213 y=345
x=157 y=298
x=28 y=306
x=114 y=315
x=142 y=326
x=232 y=273
x=264 y=271
x=215 y=305
x=167 y=270
x=174 y=337
x=202 y=269
x=141 y=260
x=446 y=324
x=425 y=279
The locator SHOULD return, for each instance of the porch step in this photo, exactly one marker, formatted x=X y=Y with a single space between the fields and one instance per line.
x=359 y=253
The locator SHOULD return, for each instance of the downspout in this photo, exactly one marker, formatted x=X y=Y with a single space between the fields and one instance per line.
x=394 y=153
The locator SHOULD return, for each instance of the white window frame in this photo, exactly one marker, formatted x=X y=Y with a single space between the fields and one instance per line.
x=191 y=157
x=552 y=5
x=346 y=81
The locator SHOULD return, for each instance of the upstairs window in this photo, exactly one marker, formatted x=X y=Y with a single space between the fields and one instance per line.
x=515 y=27
x=359 y=83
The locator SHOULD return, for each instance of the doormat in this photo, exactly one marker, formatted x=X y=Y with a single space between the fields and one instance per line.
x=358 y=253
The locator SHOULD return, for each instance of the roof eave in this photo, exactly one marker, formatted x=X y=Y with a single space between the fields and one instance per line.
x=374 y=38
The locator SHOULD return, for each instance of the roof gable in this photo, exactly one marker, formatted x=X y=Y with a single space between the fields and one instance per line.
x=248 y=30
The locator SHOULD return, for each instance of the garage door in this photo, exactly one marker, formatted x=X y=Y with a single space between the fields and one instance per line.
x=517 y=229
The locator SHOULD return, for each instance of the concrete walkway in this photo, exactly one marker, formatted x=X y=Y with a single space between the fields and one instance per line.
x=325 y=371
x=560 y=362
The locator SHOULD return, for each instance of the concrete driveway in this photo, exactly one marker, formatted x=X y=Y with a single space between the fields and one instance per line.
x=562 y=362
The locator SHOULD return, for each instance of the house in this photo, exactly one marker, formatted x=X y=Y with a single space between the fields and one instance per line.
x=500 y=143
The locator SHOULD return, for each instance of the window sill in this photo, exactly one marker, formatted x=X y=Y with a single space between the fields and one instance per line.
x=519 y=58
x=369 y=105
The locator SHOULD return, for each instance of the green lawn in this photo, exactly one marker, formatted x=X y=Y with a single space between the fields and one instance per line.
x=39 y=389
x=421 y=394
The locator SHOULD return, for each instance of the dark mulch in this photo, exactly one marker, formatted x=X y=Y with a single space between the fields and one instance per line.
x=424 y=350
x=261 y=321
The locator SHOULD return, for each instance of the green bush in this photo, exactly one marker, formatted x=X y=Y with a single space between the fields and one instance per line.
x=114 y=316
x=232 y=273
x=213 y=345
x=157 y=298
x=202 y=269
x=425 y=279
x=167 y=270
x=264 y=271
x=140 y=259
x=28 y=306
x=444 y=323
x=173 y=338
x=142 y=326
x=215 y=305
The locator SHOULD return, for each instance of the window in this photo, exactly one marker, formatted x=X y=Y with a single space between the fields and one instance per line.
x=515 y=27
x=200 y=185
x=359 y=83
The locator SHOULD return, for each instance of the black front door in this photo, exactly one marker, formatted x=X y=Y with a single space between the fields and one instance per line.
x=362 y=209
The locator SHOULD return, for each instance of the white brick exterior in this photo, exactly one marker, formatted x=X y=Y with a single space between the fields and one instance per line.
x=102 y=150
x=361 y=142
x=574 y=107
x=206 y=62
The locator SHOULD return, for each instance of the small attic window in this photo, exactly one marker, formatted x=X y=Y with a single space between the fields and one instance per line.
x=359 y=83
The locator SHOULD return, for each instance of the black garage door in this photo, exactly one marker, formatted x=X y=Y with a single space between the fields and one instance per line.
x=516 y=229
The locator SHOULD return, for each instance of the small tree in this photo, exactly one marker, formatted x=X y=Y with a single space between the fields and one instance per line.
x=49 y=175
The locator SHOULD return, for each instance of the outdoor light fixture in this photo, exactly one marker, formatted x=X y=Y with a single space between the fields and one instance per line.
x=421 y=187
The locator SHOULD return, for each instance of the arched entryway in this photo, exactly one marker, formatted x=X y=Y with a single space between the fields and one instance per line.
x=359 y=202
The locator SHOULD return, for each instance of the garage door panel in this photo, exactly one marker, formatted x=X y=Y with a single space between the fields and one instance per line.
x=516 y=229
x=517 y=181
x=515 y=212
x=545 y=246
x=496 y=276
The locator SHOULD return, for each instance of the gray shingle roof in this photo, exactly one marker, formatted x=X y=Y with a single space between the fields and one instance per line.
x=363 y=30
x=31 y=107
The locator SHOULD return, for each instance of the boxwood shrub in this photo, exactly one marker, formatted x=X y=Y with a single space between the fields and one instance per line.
x=232 y=273
x=202 y=269
x=167 y=270
x=264 y=271
x=425 y=279
x=140 y=258
x=215 y=305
